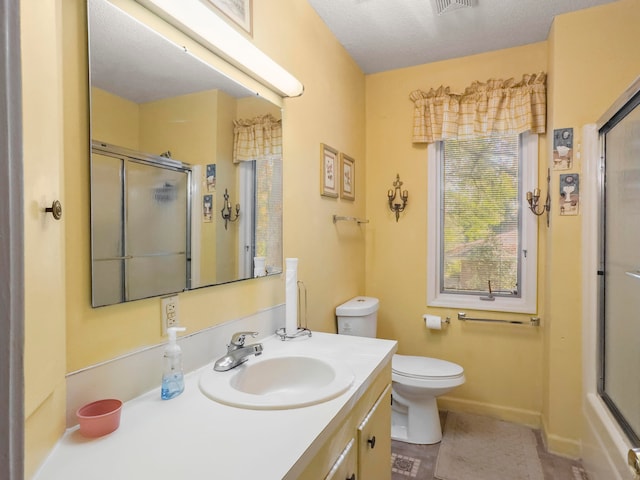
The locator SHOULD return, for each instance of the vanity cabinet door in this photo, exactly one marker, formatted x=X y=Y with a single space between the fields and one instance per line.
x=346 y=464
x=374 y=440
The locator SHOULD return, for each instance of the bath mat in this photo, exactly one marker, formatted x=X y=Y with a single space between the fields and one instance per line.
x=404 y=465
x=483 y=448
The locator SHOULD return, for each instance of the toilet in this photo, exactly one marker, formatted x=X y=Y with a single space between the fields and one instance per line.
x=416 y=380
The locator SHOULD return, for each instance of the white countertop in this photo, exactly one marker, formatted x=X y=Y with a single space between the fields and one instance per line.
x=194 y=437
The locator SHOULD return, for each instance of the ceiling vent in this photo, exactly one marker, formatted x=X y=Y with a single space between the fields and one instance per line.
x=446 y=6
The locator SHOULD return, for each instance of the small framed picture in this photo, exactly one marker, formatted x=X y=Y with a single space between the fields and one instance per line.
x=347 y=177
x=207 y=208
x=238 y=11
x=211 y=177
x=562 y=148
x=328 y=171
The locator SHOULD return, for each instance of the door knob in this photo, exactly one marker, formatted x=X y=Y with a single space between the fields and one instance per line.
x=55 y=209
x=372 y=441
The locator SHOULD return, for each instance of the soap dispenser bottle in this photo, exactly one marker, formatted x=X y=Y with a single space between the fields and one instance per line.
x=172 y=376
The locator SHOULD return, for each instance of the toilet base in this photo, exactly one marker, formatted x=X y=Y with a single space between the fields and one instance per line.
x=418 y=423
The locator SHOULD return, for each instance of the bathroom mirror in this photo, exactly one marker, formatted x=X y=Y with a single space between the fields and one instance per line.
x=162 y=168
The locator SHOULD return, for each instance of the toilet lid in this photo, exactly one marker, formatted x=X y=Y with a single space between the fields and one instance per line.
x=424 y=367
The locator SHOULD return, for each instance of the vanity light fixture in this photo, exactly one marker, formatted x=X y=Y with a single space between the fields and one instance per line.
x=534 y=199
x=399 y=194
x=227 y=214
x=213 y=31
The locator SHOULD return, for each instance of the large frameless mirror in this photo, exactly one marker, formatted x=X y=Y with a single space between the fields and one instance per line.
x=182 y=196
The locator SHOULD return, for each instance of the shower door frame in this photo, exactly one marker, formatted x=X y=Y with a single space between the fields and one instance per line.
x=605 y=445
x=605 y=126
x=11 y=248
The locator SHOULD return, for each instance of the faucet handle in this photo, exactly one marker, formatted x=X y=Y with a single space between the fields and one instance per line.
x=238 y=338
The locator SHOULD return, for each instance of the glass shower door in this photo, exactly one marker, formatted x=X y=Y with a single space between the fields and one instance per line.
x=156 y=230
x=620 y=323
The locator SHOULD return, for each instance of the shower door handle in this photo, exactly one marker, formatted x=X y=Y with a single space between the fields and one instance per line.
x=635 y=274
x=634 y=459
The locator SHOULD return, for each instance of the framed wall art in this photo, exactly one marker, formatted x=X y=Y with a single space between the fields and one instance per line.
x=347 y=177
x=238 y=11
x=329 y=169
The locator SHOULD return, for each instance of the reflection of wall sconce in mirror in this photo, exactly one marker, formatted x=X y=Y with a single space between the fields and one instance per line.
x=534 y=200
x=398 y=194
x=227 y=214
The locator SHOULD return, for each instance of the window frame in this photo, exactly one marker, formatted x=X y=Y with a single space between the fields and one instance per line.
x=527 y=301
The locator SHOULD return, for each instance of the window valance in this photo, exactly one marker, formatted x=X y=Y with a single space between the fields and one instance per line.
x=497 y=106
x=257 y=138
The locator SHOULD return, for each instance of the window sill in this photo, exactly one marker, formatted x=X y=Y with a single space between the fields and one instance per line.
x=500 y=304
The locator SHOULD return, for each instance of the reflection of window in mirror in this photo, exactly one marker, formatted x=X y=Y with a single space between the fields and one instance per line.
x=169 y=100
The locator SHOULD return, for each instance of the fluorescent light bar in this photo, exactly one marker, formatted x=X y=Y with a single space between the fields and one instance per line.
x=214 y=32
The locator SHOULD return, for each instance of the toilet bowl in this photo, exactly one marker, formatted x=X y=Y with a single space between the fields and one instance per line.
x=416 y=381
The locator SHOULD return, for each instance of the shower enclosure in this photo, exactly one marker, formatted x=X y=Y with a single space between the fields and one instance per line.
x=611 y=291
x=619 y=380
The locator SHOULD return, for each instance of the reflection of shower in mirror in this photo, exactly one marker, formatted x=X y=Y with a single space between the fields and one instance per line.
x=167 y=101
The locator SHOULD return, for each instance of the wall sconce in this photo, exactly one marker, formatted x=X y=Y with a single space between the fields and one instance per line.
x=534 y=198
x=397 y=193
x=226 y=210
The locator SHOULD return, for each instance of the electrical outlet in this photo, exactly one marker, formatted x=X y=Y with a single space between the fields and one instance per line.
x=169 y=313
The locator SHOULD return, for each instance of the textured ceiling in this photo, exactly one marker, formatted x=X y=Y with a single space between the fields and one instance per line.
x=388 y=34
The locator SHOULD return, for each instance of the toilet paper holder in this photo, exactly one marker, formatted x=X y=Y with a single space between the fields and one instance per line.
x=444 y=322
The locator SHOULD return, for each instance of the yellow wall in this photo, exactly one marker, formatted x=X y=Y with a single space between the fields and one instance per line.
x=117 y=119
x=227 y=172
x=42 y=111
x=331 y=257
x=590 y=58
x=332 y=111
x=595 y=58
x=525 y=374
x=503 y=364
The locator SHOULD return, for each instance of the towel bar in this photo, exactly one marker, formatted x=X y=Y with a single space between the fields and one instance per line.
x=337 y=218
x=533 y=321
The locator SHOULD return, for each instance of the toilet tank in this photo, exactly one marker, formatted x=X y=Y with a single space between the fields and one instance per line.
x=358 y=316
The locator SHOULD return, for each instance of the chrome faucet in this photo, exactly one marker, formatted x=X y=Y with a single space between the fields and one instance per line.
x=237 y=352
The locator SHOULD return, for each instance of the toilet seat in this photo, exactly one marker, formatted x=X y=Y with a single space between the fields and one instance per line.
x=426 y=372
x=425 y=367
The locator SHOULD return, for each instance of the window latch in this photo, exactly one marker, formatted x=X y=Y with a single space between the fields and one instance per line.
x=490 y=297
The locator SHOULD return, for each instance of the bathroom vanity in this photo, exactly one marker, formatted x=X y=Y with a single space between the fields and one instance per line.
x=193 y=436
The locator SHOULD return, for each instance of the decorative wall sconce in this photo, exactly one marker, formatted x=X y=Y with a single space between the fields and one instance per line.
x=226 y=210
x=399 y=194
x=534 y=198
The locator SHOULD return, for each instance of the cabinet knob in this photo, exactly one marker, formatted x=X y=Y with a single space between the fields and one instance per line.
x=55 y=209
x=352 y=477
x=372 y=441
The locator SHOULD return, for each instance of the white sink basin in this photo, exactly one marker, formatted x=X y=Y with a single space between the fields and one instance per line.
x=275 y=383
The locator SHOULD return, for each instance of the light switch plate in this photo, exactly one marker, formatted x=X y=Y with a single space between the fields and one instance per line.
x=169 y=306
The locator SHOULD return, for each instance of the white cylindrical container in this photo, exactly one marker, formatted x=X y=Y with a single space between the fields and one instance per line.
x=358 y=316
x=291 y=296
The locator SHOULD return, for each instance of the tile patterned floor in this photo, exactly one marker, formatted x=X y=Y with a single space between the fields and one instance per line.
x=419 y=461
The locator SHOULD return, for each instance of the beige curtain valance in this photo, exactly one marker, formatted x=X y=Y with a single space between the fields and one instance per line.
x=497 y=106
x=257 y=138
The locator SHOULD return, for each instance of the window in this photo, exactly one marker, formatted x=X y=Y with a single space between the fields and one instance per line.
x=482 y=243
x=260 y=232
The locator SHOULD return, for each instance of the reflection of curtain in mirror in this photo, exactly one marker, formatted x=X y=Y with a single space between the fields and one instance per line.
x=258 y=138
x=258 y=145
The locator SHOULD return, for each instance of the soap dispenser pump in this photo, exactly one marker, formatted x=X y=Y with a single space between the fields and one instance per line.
x=172 y=376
